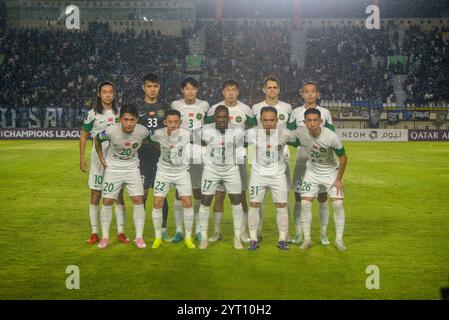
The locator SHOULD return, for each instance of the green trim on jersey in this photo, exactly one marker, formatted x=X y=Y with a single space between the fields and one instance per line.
x=329 y=126
x=250 y=121
x=97 y=137
x=292 y=126
x=88 y=126
x=208 y=119
x=295 y=144
x=340 y=152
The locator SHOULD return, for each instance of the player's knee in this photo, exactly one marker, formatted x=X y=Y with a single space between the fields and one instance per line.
x=306 y=203
x=281 y=205
x=255 y=204
x=337 y=203
x=137 y=200
x=207 y=201
x=186 y=202
x=235 y=199
x=158 y=202
x=95 y=197
x=322 y=197
x=197 y=194
x=108 y=201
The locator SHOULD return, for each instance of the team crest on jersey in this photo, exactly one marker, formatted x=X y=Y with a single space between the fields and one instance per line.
x=279 y=147
x=161 y=113
x=238 y=119
x=199 y=116
x=281 y=117
x=117 y=120
x=135 y=145
x=322 y=149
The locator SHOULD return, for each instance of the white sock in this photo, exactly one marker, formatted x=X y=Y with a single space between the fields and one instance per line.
x=339 y=219
x=237 y=213
x=218 y=220
x=188 y=221
x=139 y=219
x=94 y=213
x=196 y=210
x=324 y=216
x=120 y=217
x=297 y=218
x=261 y=212
x=157 y=222
x=106 y=218
x=244 y=222
x=179 y=210
x=282 y=221
x=253 y=222
x=306 y=218
x=204 y=220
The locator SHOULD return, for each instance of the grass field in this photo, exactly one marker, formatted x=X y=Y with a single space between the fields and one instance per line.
x=397 y=217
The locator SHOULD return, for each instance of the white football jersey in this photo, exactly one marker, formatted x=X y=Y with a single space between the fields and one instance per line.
x=221 y=148
x=268 y=158
x=96 y=122
x=284 y=110
x=173 y=149
x=322 y=151
x=122 y=153
x=297 y=118
x=192 y=115
x=240 y=115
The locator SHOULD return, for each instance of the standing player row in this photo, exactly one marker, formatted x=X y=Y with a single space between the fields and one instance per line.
x=194 y=114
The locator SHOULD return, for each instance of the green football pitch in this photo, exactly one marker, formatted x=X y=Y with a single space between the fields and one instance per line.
x=397 y=218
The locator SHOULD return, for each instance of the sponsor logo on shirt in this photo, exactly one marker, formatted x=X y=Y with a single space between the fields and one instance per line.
x=127 y=144
x=191 y=114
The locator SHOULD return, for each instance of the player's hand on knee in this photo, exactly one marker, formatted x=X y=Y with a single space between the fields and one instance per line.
x=338 y=184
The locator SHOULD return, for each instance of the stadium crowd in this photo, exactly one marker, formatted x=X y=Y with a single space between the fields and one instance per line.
x=62 y=69
x=428 y=55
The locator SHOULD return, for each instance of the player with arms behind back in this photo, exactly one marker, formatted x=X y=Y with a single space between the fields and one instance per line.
x=193 y=112
x=240 y=116
x=310 y=94
x=272 y=88
x=151 y=115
